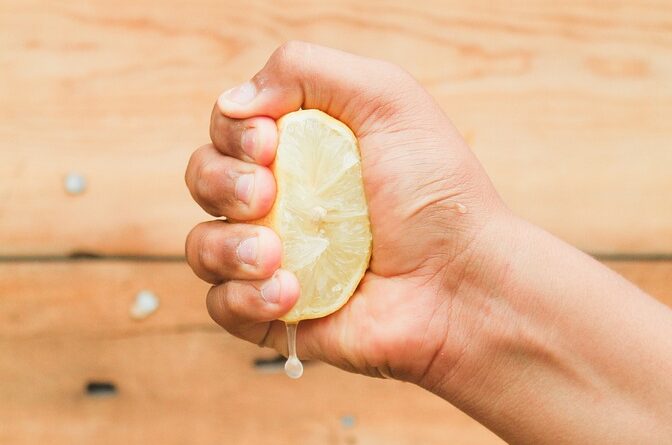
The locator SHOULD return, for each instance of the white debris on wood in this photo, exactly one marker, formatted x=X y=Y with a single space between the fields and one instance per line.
x=74 y=183
x=146 y=303
x=348 y=421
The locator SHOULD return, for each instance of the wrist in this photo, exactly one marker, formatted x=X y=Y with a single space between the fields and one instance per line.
x=501 y=347
x=530 y=348
x=476 y=289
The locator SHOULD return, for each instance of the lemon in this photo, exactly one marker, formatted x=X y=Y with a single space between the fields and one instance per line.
x=320 y=211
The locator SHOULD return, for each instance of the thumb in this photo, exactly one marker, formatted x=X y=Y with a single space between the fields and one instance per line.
x=353 y=89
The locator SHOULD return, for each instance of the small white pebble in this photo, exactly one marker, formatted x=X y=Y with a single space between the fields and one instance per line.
x=146 y=302
x=74 y=183
x=348 y=421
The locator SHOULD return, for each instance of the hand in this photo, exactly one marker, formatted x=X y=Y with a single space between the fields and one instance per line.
x=537 y=341
x=429 y=201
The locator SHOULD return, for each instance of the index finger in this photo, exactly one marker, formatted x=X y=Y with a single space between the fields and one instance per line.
x=252 y=140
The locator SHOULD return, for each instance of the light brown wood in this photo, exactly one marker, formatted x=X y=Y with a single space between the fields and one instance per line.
x=180 y=378
x=566 y=103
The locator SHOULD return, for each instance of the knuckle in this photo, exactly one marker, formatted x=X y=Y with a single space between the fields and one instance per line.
x=197 y=162
x=292 y=47
x=215 y=302
x=215 y=119
x=187 y=171
x=193 y=165
x=209 y=184
x=396 y=73
x=189 y=245
x=291 y=52
x=232 y=302
x=223 y=130
x=201 y=151
x=207 y=172
x=206 y=253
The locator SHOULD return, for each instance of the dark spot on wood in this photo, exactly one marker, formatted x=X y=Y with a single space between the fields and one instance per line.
x=100 y=389
x=273 y=364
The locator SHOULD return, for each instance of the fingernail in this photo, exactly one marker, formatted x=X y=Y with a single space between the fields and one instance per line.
x=249 y=141
x=270 y=291
x=244 y=187
x=240 y=95
x=247 y=251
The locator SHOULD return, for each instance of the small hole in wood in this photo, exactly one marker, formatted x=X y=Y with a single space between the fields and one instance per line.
x=270 y=365
x=101 y=389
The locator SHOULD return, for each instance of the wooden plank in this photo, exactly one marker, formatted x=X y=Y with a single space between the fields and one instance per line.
x=566 y=103
x=180 y=379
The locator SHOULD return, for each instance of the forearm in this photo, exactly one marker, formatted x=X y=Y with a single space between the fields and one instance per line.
x=565 y=350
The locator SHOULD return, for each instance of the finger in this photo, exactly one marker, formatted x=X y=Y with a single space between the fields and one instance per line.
x=315 y=340
x=319 y=339
x=219 y=251
x=252 y=140
x=353 y=89
x=244 y=308
x=250 y=309
x=224 y=186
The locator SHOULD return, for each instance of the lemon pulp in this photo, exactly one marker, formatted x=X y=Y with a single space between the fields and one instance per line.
x=320 y=212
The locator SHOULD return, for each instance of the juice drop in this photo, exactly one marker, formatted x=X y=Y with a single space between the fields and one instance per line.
x=293 y=366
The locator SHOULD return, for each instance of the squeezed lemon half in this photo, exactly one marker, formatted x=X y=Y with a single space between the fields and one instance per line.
x=320 y=211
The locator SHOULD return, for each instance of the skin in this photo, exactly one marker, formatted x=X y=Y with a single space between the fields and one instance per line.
x=534 y=339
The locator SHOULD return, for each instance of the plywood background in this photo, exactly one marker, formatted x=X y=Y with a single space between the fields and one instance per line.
x=568 y=105
x=179 y=379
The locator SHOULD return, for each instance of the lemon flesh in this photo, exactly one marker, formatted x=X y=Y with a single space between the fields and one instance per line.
x=320 y=211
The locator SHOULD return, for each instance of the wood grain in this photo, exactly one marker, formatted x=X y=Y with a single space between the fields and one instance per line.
x=566 y=103
x=180 y=379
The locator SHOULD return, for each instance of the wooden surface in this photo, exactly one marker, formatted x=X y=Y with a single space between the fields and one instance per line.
x=180 y=379
x=568 y=105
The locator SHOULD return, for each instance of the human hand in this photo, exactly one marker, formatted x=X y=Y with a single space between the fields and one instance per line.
x=508 y=323
x=429 y=202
